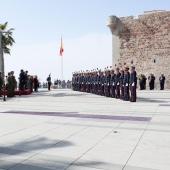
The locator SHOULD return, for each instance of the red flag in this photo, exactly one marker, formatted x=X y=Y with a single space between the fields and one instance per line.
x=61 y=48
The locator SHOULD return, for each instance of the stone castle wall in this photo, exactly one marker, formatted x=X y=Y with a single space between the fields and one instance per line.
x=145 y=40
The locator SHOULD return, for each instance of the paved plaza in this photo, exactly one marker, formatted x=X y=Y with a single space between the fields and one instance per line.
x=67 y=130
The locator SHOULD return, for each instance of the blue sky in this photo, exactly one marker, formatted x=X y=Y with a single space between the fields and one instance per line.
x=82 y=23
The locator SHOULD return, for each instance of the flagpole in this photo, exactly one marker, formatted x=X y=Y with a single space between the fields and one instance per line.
x=62 y=68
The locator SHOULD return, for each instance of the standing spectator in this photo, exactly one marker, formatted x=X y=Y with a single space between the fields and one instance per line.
x=144 y=81
x=26 y=80
x=14 y=83
x=162 y=81
x=141 y=82
x=151 y=79
x=35 y=84
x=49 y=82
x=31 y=80
x=1 y=83
x=10 y=86
x=21 y=80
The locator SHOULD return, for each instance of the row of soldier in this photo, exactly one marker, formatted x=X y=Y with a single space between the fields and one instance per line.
x=120 y=84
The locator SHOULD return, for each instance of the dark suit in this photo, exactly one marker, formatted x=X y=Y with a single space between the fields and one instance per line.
x=162 y=82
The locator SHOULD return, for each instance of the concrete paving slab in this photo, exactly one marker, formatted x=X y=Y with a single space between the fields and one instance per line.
x=63 y=129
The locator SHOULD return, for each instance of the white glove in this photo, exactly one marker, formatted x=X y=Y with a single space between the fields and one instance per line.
x=102 y=84
x=117 y=83
x=126 y=84
x=133 y=84
x=113 y=84
x=108 y=84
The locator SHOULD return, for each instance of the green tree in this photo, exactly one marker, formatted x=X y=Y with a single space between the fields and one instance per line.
x=7 y=41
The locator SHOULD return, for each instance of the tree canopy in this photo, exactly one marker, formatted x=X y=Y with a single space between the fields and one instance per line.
x=7 y=39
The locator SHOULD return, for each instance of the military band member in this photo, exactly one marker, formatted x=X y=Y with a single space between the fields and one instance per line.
x=126 y=82
x=122 y=85
x=1 y=83
x=133 y=83
x=117 y=82
x=112 y=84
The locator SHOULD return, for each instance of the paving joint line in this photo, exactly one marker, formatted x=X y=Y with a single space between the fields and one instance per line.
x=51 y=146
x=138 y=142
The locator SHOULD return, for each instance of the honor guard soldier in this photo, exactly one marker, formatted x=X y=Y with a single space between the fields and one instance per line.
x=1 y=83
x=112 y=84
x=108 y=76
x=117 y=82
x=126 y=82
x=122 y=85
x=102 y=80
x=162 y=81
x=133 y=83
x=88 y=82
x=98 y=82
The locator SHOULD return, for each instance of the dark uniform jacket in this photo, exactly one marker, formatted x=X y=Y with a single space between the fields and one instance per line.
x=117 y=79
x=112 y=80
x=133 y=78
x=126 y=79
x=121 y=79
x=162 y=79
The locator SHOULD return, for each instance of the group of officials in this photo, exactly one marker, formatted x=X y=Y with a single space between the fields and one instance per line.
x=25 y=82
x=10 y=86
x=119 y=84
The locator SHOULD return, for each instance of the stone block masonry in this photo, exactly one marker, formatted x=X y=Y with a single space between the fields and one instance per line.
x=145 y=40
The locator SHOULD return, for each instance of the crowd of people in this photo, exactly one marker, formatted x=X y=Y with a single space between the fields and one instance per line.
x=120 y=84
x=25 y=82
x=151 y=79
x=62 y=84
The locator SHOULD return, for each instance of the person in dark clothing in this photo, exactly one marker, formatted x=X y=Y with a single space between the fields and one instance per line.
x=112 y=84
x=49 y=82
x=21 y=80
x=122 y=85
x=1 y=83
x=133 y=83
x=144 y=81
x=151 y=79
x=35 y=84
x=162 y=81
x=126 y=82
x=117 y=83
x=141 y=82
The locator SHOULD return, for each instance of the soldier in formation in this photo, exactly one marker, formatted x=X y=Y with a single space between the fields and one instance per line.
x=120 y=84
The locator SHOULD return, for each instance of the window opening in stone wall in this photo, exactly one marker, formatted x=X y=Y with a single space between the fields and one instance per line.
x=154 y=60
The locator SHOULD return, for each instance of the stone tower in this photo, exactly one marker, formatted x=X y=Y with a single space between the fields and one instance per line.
x=143 y=40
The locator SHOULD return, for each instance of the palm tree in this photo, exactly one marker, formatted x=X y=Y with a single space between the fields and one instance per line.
x=7 y=41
